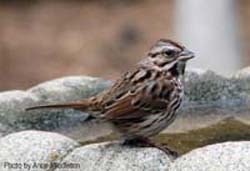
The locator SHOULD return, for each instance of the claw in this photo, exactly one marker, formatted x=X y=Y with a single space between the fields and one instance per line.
x=145 y=142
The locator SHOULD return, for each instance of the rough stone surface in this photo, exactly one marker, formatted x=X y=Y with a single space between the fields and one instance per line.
x=40 y=151
x=203 y=85
x=243 y=73
x=4 y=130
x=243 y=79
x=13 y=103
x=31 y=148
x=230 y=156
x=68 y=88
x=209 y=99
x=113 y=157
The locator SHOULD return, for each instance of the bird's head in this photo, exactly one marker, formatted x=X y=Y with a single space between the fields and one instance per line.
x=169 y=55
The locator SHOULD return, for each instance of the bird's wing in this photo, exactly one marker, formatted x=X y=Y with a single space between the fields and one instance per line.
x=135 y=99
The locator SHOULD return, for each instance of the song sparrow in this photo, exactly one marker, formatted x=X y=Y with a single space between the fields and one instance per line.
x=145 y=99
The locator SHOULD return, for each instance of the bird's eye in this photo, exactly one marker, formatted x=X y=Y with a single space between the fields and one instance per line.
x=169 y=52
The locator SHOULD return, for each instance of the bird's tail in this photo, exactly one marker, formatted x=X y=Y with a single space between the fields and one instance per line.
x=79 y=105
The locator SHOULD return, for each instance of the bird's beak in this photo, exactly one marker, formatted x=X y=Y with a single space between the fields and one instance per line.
x=186 y=55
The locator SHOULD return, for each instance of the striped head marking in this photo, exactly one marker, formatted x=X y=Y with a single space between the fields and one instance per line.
x=166 y=54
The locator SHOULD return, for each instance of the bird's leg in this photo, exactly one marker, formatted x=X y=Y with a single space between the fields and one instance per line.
x=146 y=142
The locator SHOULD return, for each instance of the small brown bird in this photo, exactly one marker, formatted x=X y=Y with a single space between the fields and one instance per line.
x=145 y=99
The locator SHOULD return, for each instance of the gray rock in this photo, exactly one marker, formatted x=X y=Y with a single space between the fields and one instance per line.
x=13 y=116
x=113 y=157
x=203 y=86
x=209 y=98
x=230 y=156
x=36 y=149
x=69 y=122
x=12 y=104
x=4 y=129
x=243 y=73
x=68 y=89
x=242 y=78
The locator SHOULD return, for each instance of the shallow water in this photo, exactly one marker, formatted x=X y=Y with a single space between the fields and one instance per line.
x=196 y=116
x=229 y=129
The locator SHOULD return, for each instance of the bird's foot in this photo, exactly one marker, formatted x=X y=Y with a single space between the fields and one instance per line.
x=146 y=142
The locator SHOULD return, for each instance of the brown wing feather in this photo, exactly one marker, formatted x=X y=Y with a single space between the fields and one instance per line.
x=121 y=109
x=150 y=96
x=138 y=93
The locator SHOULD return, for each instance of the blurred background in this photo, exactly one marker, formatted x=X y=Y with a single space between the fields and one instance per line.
x=46 y=39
